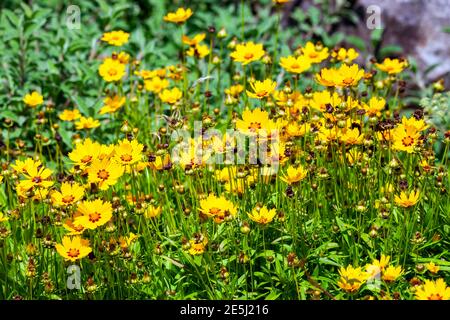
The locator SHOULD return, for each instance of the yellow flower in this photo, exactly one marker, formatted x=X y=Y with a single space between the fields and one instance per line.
x=247 y=52
x=262 y=89
x=74 y=248
x=392 y=66
x=34 y=99
x=320 y=100
x=295 y=64
x=105 y=172
x=195 y=40
x=218 y=208
x=344 y=55
x=407 y=200
x=199 y=51
x=123 y=57
x=93 y=213
x=36 y=176
x=235 y=90
x=70 y=115
x=344 y=76
x=125 y=242
x=351 y=278
x=156 y=84
x=418 y=125
x=197 y=245
x=128 y=152
x=116 y=38
x=87 y=123
x=3 y=218
x=159 y=162
x=171 y=96
x=24 y=166
x=294 y=175
x=391 y=273
x=255 y=122
x=433 y=290
x=70 y=194
x=315 y=53
x=111 y=70
x=70 y=226
x=152 y=212
x=351 y=136
x=294 y=129
x=405 y=138
x=84 y=152
x=180 y=16
x=280 y=1
x=262 y=215
x=432 y=267
x=375 y=106
x=112 y=104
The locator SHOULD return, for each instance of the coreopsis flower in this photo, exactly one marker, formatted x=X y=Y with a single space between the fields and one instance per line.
x=127 y=241
x=432 y=267
x=152 y=211
x=315 y=53
x=84 y=152
x=218 y=208
x=70 y=194
x=418 y=125
x=23 y=166
x=36 y=176
x=160 y=162
x=351 y=278
x=344 y=76
x=351 y=136
x=391 y=273
x=392 y=66
x=87 y=123
x=235 y=90
x=33 y=99
x=3 y=217
x=262 y=89
x=171 y=96
x=294 y=129
x=295 y=64
x=294 y=174
x=197 y=245
x=280 y=1
x=322 y=99
x=374 y=107
x=179 y=17
x=248 y=52
x=105 y=172
x=255 y=122
x=128 y=152
x=199 y=51
x=93 y=213
x=433 y=290
x=405 y=138
x=344 y=55
x=407 y=200
x=70 y=115
x=156 y=84
x=193 y=41
x=73 y=248
x=72 y=228
x=112 y=104
x=116 y=38
x=123 y=57
x=262 y=215
x=111 y=70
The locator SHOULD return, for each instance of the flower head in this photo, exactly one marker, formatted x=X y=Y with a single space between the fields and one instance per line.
x=93 y=213
x=262 y=215
x=315 y=53
x=433 y=290
x=112 y=104
x=351 y=278
x=392 y=66
x=294 y=174
x=156 y=84
x=69 y=194
x=128 y=152
x=247 y=52
x=295 y=64
x=405 y=200
x=87 y=123
x=33 y=99
x=116 y=38
x=105 y=172
x=179 y=17
x=432 y=267
x=218 y=208
x=262 y=89
x=111 y=70
x=70 y=115
x=171 y=96
x=74 y=248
